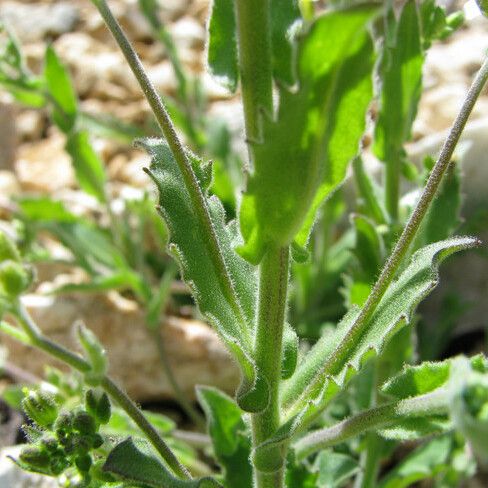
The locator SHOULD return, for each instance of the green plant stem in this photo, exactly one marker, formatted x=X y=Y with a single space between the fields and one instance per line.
x=167 y=128
x=254 y=36
x=338 y=358
x=434 y=403
x=57 y=351
x=273 y=285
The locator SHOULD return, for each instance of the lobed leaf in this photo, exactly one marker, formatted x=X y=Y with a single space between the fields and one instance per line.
x=230 y=310
x=304 y=152
x=230 y=436
x=312 y=388
x=138 y=464
x=222 y=44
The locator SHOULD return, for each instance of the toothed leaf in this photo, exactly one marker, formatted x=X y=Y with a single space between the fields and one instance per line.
x=304 y=152
x=230 y=304
x=393 y=312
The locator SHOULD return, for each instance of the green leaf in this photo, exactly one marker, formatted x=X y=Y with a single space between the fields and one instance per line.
x=138 y=464
x=425 y=462
x=401 y=74
x=334 y=469
x=61 y=91
x=89 y=169
x=284 y=14
x=305 y=152
x=309 y=392
x=230 y=436
x=44 y=209
x=369 y=248
x=222 y=44
x=444 y=215
x=230 y=310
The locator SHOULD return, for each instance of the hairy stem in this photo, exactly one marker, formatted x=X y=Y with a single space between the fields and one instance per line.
x=273 y=284
x=37 y=339
x=433 y=403
x=254 y=35
x=338 y=358
x=167 y=128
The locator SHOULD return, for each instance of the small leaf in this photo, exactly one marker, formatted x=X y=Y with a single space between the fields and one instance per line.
x=334 y=469
x=138 y=464
x=222 y=44
x=94 y=352
x=423 y=463
x=230 y=436
x=61 y=90
x=89 y=170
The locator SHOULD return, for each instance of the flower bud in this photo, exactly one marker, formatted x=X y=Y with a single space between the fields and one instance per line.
x=15 y=278
x=84 y=423
x=83 y=463
x=96 y=441
x=8 y=251
x=41 y=408
x=64 y=424
x=98 y=404
x=34 y=457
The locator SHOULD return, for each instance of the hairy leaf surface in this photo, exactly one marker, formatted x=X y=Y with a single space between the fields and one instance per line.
x=191 y=246
x=311 y=389
x=137 y=463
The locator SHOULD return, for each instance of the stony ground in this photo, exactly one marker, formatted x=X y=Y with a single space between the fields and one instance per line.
x=32 y=159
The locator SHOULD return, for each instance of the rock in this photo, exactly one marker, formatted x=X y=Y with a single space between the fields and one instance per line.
x=163 y=77
x=130 y=170
x=36 y=21
x=30 y=124
x=189 y=33
x=194 y=350
x=93 y=64
x=9 y=187
x=44 y=166
x=8 y=136
x=14 y=477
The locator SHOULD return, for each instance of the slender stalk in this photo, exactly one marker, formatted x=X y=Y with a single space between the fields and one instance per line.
x=335 y=361
x=413 y=224
x=167 y=128
x=273 y=285
x=254 y=35
x=57 y=351
x=434 y=403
